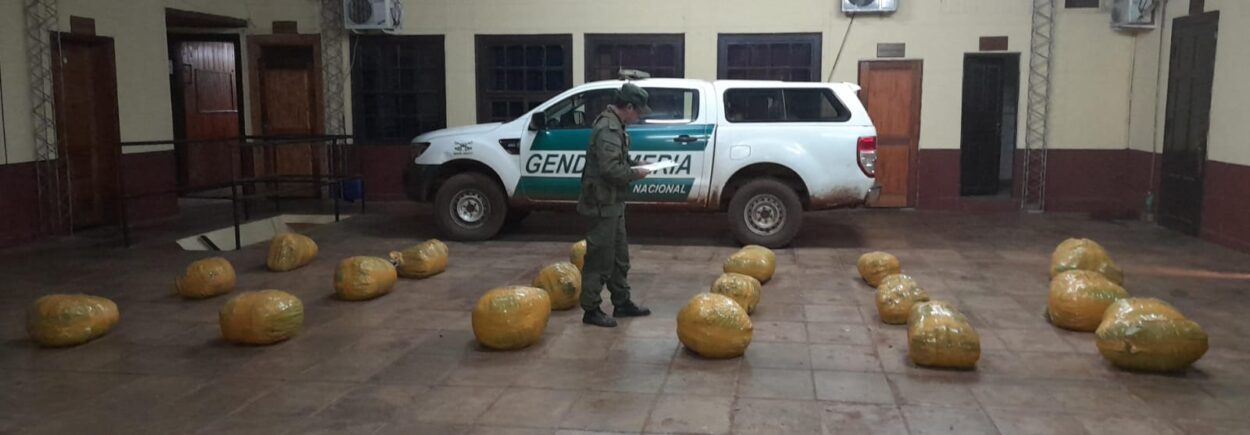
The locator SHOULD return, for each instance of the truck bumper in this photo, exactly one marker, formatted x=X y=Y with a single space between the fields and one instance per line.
x=874 y=192
x=419 y=182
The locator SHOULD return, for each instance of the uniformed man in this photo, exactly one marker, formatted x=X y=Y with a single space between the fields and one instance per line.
x=605 y=182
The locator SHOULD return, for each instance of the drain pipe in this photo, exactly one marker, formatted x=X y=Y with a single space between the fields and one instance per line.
x=1149 y=214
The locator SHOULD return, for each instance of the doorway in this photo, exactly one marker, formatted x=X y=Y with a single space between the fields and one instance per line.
x=890 y=91
x=286 y=97
x=988 y=128
x=1191 y=72
x=204 y=85
x=87 y=128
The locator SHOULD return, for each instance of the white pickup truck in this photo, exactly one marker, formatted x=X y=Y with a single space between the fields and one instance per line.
x=762 y=150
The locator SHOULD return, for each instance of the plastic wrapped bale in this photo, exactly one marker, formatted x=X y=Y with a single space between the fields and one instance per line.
x=510 y=318
x=1084 y=254
x=261 y=317
x=743 y=289
x=875 y=266
x=756 y=263
x=290 y=251
x=714 y=326
x=424 y=260
x=577 y=254
x=361 y=278
x=1147 y=334
x=206 y=278
x=768 y=252
x=1078 y=299
x=895 y=297
x=938 y=335
x=70 y=320
x=563 y=283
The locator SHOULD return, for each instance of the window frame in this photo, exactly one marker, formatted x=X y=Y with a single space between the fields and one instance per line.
x=844 y=113
x=592 y=41
x=485 y=71
x=696 y=104
x=435 y=43
x=725 y=40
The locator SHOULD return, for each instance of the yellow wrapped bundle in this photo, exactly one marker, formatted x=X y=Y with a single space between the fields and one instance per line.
x=206 y=278
x=423 y=260
x=938 y=335
x=759 y=263
x=577 y=254
x=69 y=320
x=261 y=317
x=1084 y=254
x=563 y=283
x=714 y=326
x=1148 y=334
x=875 y=266
x=895 y=297
x=767 y=252
x=290 y=251
x=743 y=289
x=510 y=318
x=1078 y=299
x=361 y=278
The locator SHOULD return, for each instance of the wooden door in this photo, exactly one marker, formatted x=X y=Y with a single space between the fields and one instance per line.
x=205 y=72
x=1190 y=74
x=287 y=100
x=985 y=83
x=88 y=132
x=891 y=93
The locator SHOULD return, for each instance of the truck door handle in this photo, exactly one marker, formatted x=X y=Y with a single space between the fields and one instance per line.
x=685 y=138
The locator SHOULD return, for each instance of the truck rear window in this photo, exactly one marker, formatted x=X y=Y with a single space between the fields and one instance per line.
x=784 y=105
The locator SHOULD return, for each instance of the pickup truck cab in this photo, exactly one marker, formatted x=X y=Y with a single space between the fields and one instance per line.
x=763 y=151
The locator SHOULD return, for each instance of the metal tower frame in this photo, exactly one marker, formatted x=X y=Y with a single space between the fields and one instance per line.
x=54 y=205
x=1036 y=128
x=332 y=33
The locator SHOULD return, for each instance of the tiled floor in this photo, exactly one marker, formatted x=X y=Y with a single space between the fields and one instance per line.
x=820 y=363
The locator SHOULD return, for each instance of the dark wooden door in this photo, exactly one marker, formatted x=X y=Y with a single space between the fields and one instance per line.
x=206 y=72
x=288 y=107
x=1190 y=74
x=891 y=93
x=88 y=133
x=985 y=82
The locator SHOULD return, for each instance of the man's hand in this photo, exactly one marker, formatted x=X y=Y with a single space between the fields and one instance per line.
x=641 y=173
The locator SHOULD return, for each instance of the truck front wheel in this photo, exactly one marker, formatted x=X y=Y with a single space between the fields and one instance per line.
x=469 y=206
x=765 y=212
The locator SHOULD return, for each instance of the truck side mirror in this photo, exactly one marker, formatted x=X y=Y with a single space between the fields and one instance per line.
x=538 y=122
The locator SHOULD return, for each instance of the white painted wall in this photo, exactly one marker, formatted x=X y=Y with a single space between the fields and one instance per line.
x=1101 y=77
x=139 y=36
x=1230 y=125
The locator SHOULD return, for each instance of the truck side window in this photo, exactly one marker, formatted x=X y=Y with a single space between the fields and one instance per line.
x=814 y=105
x=672 y=106
x=753 y=105
x=578 y=111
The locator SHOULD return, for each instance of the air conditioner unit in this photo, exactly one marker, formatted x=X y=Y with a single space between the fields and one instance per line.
x=869 y=6
x=372 y=14
x=1133 y=14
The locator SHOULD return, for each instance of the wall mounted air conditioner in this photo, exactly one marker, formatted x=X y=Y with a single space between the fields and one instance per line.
x=372 y=14
x=869 y=6
x=1133 y=14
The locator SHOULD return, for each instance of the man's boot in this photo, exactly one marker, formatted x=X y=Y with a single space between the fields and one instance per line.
x=598 y=318
x=630 y=310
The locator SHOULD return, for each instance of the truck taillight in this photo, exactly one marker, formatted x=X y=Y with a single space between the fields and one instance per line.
x=866 y=149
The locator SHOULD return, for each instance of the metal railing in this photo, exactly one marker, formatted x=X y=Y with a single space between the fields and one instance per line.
x=243 y=189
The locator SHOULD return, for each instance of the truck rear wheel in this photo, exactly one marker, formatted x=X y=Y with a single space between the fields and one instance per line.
x=765 y=212
x=469 y=206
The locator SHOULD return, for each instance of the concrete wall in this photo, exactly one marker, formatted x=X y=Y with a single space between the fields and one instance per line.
x=1091 y=74
x=139 y=36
